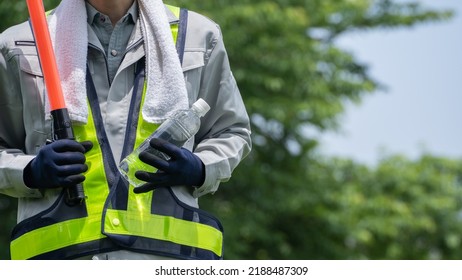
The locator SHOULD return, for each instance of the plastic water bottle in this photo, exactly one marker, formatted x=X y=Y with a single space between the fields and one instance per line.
x=177 y=130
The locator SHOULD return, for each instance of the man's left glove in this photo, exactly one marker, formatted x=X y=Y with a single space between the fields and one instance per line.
x=183 y=168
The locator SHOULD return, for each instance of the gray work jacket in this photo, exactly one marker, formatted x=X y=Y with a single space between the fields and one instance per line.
x=222 y=142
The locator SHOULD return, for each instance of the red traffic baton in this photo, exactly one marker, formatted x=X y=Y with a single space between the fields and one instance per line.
x=61 y=126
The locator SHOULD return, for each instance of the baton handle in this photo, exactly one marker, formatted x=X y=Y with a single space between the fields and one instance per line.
x=62 y=129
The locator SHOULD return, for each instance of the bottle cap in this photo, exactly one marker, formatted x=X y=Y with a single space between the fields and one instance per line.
x=201 y=107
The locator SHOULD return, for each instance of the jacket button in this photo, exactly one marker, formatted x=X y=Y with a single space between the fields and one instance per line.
x=114 y=53
x=115 y=222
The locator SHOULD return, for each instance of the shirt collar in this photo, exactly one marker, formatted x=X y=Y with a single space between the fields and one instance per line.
x=93 y=14
x=133 y=11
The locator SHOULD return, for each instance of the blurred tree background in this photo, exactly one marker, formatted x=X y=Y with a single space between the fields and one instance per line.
x=285 y=201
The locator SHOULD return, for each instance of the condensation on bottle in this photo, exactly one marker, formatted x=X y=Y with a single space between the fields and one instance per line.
x=177 y=129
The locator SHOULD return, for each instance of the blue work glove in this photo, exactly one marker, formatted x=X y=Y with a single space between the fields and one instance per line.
x=183 y=167
x=58 y=164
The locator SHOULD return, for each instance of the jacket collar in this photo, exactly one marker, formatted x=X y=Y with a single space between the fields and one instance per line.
x=137 y=36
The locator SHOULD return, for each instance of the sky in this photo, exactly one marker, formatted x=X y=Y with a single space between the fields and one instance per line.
x=421 y=109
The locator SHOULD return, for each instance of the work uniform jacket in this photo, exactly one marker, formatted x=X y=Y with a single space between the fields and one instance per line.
x=221 y=143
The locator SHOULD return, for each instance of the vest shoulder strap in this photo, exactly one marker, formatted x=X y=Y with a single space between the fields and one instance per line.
x=181 y=38
x=179 y=31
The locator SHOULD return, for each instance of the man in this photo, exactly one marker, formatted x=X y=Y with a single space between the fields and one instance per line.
x=122 y=73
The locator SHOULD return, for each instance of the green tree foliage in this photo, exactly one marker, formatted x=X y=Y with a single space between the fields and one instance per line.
x=400 y=210
x=14 y=12
x=284 y=202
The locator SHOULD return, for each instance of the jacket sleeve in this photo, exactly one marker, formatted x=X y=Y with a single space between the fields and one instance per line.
x=12 y=132
x=224 y=137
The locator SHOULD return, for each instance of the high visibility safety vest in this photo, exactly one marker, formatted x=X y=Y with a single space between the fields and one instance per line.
x=113 y=217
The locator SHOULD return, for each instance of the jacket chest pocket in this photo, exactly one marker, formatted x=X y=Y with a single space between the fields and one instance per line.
x=34 y=95
x=193 y=64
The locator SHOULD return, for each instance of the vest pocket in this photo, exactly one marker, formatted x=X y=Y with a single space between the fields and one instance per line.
x=24 y=244
x=170 y=228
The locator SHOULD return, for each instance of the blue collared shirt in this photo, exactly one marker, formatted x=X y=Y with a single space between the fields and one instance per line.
x=114 y=39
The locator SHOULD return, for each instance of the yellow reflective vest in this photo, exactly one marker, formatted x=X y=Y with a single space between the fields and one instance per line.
x=113 y=217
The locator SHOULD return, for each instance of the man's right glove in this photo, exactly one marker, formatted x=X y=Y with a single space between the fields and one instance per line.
x=58 y=164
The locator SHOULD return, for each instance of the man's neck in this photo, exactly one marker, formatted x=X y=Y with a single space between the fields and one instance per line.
x=115 y=10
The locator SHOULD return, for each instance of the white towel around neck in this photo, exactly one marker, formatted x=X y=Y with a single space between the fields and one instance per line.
x=166 y=89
